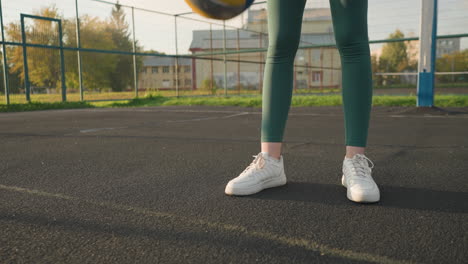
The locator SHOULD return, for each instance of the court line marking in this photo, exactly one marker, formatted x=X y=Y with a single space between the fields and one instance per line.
x=99 y=129
x=259 y=113
x=285 y=240
x=91 y=130
x=199 y=111
x=208 y=118
x=463 y=116
x=429 y=116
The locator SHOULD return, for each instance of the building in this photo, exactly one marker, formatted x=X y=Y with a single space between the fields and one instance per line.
x=315 y=67
x=447 y=46
x=243 y=70
x=159 y=73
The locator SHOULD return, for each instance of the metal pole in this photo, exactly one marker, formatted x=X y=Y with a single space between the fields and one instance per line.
x=332 y=72
x=211 y=61
x=62 y=64
x=224 y=58
x=25 y=61
x=135 y=77
x=176 y=58
x=260 y=65
x=321 y=69
x=309 y=72
x=294 y=74
x=427 y=54
x=453 y=68
x=78 y=44
x=238 y=63
x=5 y=65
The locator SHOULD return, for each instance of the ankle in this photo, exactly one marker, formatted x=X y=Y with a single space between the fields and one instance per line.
x=277 y=156
x=351 y=151
x=350 y=156
x=272 y=148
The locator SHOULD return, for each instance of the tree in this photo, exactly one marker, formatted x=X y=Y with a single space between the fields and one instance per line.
x=377 y=79
x=96 y=66
x=14 y=80
x=122 y=76
x=394 y=57
x=99 y=70
x=455 y=62
x=210 y=85
x=44 y=64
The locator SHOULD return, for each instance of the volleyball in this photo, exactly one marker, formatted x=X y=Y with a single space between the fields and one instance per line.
x=219 y=9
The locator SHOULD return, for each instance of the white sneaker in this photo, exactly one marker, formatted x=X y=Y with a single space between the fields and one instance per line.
x=264 y=172
x=358 y=180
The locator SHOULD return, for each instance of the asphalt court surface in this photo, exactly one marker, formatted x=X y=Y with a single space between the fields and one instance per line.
x=146 y=185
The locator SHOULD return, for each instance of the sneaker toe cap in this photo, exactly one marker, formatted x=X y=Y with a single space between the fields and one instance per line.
x=229 y=188
x=364 y=193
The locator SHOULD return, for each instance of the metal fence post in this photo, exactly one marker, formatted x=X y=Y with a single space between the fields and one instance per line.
x=78 y=45
x=321 y=69
x=260 y=65
x=211 y=58
x=238 y=63
x=62 y=63
x=176 y=58
x=427 y=53
x=135 y=77
x=25 y=61
x=224 y=58
x=5 y=64
x=308 y=69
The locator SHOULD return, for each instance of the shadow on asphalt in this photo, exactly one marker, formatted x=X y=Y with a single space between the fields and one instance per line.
x=391 y=196
x=171 y=235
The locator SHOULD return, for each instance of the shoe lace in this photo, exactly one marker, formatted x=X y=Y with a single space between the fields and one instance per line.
x=257 y=163
x=361 y=165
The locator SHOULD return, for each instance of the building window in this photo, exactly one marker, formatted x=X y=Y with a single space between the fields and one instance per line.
x=316 y=55
x=166 y=83
x=188 y=82
x=316 y=76
x=187 y=68
x=165 y=69
x=143 y=70
x=154 y=69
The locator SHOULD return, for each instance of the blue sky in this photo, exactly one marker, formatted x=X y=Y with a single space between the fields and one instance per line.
x=157 y=31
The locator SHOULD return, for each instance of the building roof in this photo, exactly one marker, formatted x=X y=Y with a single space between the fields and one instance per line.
x=205 y=40
x=164 y=61
x=247 y=40
x=310 y=14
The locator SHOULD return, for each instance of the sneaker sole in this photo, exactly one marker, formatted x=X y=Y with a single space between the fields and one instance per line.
x=276 y=182
x=370 y=198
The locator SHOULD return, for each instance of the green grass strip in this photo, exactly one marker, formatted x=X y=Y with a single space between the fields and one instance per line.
x=252 y=101
x=325 y=100
x=34 y=106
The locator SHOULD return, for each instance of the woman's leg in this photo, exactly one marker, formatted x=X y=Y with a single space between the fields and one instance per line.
x=284 y=29
x=350 y=26
x=352 y=40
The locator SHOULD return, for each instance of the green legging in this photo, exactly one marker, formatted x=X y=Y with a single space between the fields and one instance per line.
x=350 y=27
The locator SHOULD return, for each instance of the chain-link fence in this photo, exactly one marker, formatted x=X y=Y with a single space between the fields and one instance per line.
x=96 y=50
